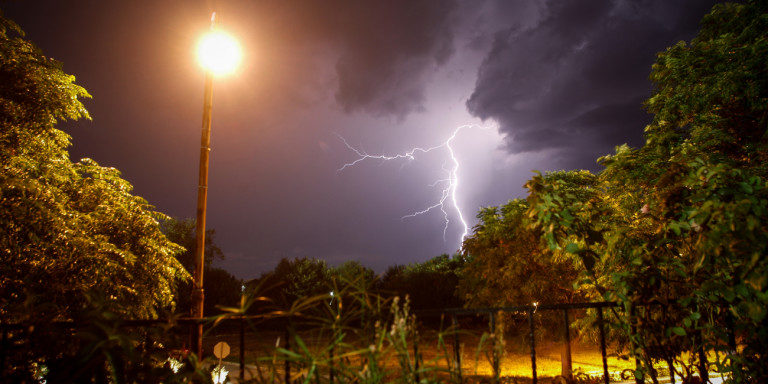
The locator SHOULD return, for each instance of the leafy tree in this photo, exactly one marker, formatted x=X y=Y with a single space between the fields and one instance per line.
x=677 y=230
x=295 y=279
x=431 y=284
x=221 y=287
x=68 y=228
x=352 y=272
x=507 y=265
x=182 y=232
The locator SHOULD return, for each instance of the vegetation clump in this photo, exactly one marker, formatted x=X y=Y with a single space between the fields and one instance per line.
x=69 y=228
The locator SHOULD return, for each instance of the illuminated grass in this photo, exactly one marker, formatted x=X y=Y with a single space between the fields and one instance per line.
x=516 y=361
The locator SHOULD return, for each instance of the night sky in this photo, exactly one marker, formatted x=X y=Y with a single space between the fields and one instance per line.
x=556 y=84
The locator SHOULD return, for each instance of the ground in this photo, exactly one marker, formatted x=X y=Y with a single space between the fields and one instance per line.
x=516 y=361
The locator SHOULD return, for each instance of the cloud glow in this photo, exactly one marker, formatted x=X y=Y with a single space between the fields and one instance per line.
x=449 y=192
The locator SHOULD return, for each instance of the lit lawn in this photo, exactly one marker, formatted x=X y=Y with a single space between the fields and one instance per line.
x=516 y=361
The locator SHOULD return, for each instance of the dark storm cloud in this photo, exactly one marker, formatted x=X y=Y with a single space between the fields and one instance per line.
x=385 y=50
x=382 y=68
x=575 y=81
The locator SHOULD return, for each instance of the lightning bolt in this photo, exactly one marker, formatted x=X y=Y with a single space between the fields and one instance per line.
x=450 y=184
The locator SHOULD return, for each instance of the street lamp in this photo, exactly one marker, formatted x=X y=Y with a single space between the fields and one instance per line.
x=219 y=54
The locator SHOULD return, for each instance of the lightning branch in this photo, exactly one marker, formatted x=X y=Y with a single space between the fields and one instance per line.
x=450 y=183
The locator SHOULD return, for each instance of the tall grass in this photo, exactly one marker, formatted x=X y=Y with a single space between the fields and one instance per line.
x=352 y=336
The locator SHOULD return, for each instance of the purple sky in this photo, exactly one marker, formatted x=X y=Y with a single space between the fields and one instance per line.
x=560 y=83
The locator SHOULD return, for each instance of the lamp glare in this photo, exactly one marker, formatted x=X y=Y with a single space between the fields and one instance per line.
x=219 y=53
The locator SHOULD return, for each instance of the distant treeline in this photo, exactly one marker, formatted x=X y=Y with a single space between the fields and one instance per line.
x=431 y=284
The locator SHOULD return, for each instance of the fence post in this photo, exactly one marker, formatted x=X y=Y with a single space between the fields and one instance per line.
x=533 y=344
x=703 y=372
x=287 y=348
x=415 y=354
x=671 y=368
x=456 y=346
x=731 y=333
x=731 y=325
x=3 y=347
x=633 y=332
x=242 y=349
x=147 y=348
x=331 y=370
x=601 y=325
x=495 y=350
x=567 y=363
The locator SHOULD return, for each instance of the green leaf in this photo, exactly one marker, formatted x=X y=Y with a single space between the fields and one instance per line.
x=675 y=227
x=678 y=331
x=572 y=248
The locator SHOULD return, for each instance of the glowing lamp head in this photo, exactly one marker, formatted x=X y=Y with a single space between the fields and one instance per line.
x=219 y=53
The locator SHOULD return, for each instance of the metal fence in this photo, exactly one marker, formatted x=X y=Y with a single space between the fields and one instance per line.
x=529 y=311
x=13 y=336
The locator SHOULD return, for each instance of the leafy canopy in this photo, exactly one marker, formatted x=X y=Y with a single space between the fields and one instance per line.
x=69 y=230
x=507 y=264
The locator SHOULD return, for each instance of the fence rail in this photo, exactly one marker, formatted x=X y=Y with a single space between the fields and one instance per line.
x=455 y=314
x=529 y=310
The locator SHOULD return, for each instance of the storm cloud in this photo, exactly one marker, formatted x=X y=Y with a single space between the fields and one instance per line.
x=576 y=80
x=383 y=51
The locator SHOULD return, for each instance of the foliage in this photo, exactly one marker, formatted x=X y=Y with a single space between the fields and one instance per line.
x=95 y=347
x=182 y=232
x=359 y=336
x=294 y=279
x=350 y=272
x=221 y=287
x=507 y=264
x=431 y=284
x=676 y=231
x=68 y=228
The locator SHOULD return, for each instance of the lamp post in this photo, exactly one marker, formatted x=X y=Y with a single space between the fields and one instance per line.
x=219 y=54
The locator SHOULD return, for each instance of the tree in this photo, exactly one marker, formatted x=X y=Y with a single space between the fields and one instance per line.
x=69 y=230
x=431 y=284
x=507 y=264
x=221 y=287
x=682 y=223
x=295 y=279
x=352 y=272
x=182 y=232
